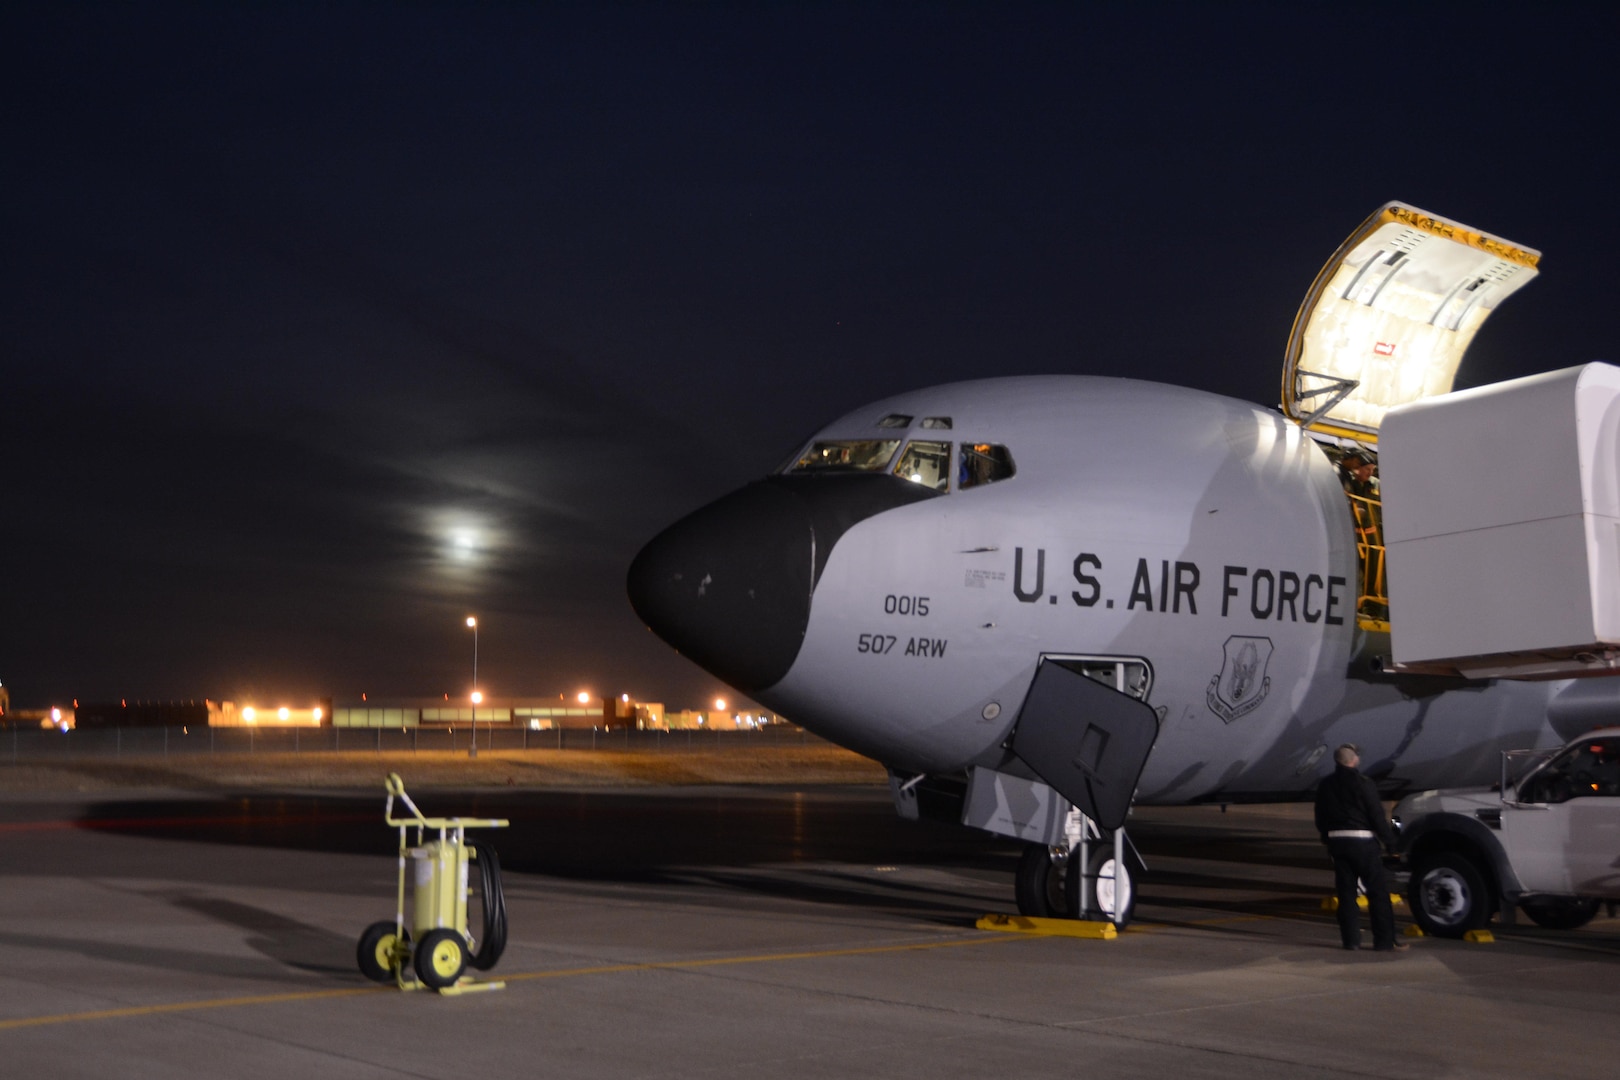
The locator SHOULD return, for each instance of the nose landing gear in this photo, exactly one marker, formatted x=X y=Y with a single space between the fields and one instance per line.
x=1092 y=876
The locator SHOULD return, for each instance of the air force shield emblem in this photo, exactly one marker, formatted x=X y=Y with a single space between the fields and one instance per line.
x=1242 y=683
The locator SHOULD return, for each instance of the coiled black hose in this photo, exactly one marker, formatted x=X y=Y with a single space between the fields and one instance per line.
x=493 y=940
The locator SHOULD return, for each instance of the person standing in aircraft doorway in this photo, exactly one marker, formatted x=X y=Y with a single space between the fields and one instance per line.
x=1351 y=819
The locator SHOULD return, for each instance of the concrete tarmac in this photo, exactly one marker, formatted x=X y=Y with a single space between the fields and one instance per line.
x=739 y=932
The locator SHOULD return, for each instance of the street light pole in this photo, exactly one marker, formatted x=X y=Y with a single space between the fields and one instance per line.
x=472 y=748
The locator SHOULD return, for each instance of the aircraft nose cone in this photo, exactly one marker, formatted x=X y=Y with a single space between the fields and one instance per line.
x=729 y=585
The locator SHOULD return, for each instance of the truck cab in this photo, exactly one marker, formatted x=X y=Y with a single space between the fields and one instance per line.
x=1546 y=839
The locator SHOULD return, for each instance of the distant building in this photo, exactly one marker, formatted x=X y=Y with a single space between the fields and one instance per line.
x=125 y=713
x=229 y=714
x=719 y=720
x=512 y=713
x=620 y=713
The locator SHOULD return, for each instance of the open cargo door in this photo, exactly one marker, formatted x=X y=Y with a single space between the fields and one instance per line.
x=1388 y=319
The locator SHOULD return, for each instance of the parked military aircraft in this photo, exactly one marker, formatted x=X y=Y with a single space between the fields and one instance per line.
x=1037 y=599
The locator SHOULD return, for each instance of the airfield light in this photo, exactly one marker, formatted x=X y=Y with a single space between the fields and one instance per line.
x=249 y=713
x=584 y=696
x=472 y=747
x=282 y=713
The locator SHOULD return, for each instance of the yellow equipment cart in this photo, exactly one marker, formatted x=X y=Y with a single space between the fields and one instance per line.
x=433 y=942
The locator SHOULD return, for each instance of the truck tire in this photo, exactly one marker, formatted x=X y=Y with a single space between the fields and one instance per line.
x=1449 y=894
x=1560 y=913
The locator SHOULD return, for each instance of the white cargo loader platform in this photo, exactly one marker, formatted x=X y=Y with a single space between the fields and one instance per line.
x=1502 y=520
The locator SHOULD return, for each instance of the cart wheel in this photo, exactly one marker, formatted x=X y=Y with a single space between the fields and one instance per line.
x=378 y=946
x=440 y=958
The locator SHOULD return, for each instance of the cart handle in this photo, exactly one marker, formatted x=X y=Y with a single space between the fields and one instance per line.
x=396 y=787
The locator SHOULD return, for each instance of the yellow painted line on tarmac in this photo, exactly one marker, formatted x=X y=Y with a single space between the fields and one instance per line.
x=562 y=973
x=1158 y=924
x=185 y=1006
x=764 y=958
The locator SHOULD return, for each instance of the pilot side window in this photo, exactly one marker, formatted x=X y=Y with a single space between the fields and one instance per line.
x=847 y=455
x=983 y=463
x=1589 y=768
x=926 y=463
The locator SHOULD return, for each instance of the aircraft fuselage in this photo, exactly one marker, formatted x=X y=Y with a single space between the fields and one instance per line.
x=1205 y=541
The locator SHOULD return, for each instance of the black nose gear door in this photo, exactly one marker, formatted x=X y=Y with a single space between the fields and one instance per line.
x=1087 y=740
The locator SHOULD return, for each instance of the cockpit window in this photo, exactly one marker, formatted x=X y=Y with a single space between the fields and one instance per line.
x=895 y=420
x=937 y=423
x=848 y=455
x=926 y=463
x=983 y=463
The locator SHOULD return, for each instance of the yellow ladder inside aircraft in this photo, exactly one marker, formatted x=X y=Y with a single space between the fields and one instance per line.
x=1372 y=593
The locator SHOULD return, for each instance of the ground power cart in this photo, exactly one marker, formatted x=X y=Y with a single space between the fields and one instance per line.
x=428 y=945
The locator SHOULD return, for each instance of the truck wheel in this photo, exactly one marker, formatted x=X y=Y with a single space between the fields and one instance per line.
x=1039 y=883
x=1448 y=894
x=441 y=958
x=1560 y=913
x=375 y=953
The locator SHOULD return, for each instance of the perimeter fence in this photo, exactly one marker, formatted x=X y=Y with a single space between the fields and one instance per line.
x=24 y=745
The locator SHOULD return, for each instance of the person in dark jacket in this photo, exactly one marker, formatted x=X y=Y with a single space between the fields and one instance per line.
x=1351 y=819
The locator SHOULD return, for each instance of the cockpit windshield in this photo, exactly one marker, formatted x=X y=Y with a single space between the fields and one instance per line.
x=926 y=463
x=847 y=455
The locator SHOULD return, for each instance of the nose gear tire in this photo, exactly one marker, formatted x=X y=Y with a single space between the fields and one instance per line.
x=1113 y=895
x=1038 y=884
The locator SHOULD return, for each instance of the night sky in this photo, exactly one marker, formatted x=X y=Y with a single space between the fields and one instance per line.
x=323 y=327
